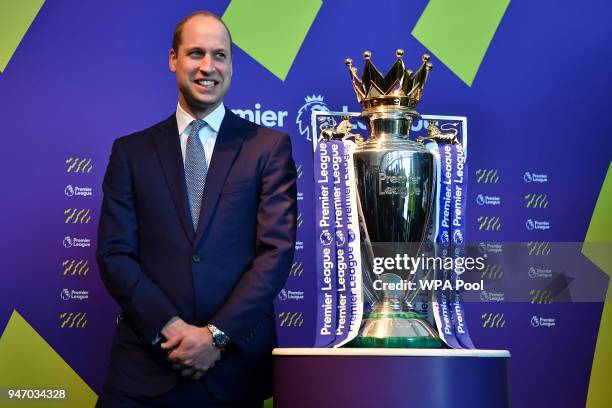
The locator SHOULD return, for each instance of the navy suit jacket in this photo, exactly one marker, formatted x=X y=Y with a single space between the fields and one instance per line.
x=227 y=272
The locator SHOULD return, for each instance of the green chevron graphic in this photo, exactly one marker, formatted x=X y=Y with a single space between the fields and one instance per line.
x=16 y=16
x=28 y=361
x=271 y=31
x=597 y=248
x=458 y=33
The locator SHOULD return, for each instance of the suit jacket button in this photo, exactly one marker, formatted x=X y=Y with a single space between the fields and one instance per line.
x=196 y=258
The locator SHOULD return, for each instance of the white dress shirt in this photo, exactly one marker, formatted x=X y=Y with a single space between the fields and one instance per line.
x=208 y=134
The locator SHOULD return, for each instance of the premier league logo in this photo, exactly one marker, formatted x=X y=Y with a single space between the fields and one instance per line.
x=445 y=238
x=535 y=321
x=65 y=295
x=282 y=295
x=67 y=242
x=304 y=116
x=69 y=191
x=529 y=224
x=326 y=238
x=532 y=272
x=340 y=239
x=457 y=237
x=527 y=177
x=480 y=199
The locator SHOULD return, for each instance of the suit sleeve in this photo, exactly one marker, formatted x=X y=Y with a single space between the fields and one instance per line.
x=275 y=244
x=144 y=304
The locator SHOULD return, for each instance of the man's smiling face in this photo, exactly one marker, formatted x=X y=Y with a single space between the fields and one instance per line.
x=202 y=64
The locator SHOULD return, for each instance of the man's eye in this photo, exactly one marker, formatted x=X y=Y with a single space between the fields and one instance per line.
x=221 y=55
x=195 y=54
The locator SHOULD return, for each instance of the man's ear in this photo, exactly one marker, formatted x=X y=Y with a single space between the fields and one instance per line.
x=172 y=60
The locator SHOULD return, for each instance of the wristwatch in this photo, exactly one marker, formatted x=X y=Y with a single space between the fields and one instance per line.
x=220 y=339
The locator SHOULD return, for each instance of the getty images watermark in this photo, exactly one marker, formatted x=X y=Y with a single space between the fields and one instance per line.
x=403 y=263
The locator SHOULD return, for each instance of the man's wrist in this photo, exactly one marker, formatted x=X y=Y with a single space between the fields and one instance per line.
x=172 y=327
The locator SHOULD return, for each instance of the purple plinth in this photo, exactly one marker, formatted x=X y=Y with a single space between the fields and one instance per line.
x=356 y=378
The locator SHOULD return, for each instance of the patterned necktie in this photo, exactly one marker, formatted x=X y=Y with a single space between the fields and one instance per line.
x=196 y=169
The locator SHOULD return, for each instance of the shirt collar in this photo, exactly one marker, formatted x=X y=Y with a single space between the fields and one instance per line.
x=213 y=119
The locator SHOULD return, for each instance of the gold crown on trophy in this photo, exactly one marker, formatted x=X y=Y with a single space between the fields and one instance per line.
x=400 y=89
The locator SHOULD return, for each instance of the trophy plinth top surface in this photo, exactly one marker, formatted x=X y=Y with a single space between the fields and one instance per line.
x=386 y=352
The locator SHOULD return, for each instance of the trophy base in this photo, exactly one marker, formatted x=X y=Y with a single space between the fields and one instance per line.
x=396 y=330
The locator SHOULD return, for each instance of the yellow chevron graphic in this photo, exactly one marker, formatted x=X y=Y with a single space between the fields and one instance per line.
x=299 y=171
x=78 y=165
x=533 y=200
x=487 y=223
x=73 y=320
x=300 y=220
x=291 y=319
x=15 y=20
x=541 y=296
x=77 y=216
x=597 y=248
x=487 y=176
x=492 y=271
x=490 y=320
x=538 y=248
x=72 y=267
x=297 y=269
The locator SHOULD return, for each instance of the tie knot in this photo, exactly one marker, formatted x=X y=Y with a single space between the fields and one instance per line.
x=197 y=125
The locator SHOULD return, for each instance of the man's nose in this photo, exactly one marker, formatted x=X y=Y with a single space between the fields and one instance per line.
x=207 y=64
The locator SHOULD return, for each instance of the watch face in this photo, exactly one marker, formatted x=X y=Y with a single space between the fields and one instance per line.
x=220 y=340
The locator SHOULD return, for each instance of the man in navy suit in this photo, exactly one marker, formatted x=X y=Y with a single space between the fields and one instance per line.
x=196 y=238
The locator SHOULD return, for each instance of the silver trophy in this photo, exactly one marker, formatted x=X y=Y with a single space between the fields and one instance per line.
x=396 y=188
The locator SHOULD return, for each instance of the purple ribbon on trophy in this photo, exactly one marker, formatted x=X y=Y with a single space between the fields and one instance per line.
x=325 y=217
x=457 y=240
x=341 y=238
x=339 y=291
x=350 y=304
x=450 y=232
x=441 y=298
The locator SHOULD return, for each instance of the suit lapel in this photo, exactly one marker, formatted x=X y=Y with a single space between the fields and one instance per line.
x=228 y=143
x=168 y=145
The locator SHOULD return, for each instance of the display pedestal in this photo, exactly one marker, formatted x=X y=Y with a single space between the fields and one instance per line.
x=394 y=378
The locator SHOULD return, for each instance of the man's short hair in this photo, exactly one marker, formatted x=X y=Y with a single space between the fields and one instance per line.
x=178 y=30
